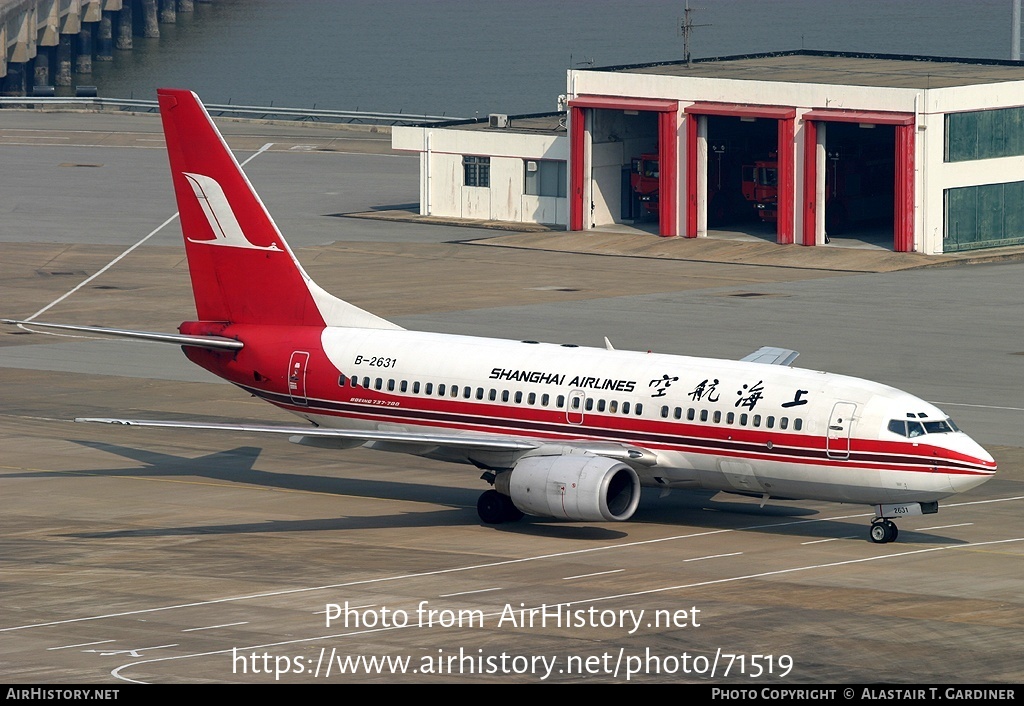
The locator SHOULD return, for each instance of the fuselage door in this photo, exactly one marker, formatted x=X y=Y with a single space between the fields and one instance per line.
x=574 y=406
x=297 y=377
x=840 y=426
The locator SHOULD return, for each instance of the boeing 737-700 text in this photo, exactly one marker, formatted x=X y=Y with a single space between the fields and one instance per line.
x=558 y=431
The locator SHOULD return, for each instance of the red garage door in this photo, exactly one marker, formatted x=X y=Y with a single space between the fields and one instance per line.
x=787 y=178
x=903 y=218
x=668 y=185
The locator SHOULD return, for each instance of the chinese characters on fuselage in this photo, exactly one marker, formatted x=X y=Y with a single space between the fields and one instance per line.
x=707 y=390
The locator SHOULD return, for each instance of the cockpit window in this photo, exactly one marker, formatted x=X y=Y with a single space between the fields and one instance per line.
x=913 y=429
x=898 y=426
x=937 y=427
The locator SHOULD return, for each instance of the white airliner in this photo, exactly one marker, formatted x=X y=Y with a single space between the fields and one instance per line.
x=558 y=430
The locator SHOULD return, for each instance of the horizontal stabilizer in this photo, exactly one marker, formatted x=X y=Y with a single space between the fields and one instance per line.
x=771 y=356
x=177 y=339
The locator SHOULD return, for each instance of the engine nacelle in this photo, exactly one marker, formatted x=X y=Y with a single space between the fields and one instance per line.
x=572 y=487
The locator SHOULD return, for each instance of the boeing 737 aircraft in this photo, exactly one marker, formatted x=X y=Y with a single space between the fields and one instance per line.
x=557 y=430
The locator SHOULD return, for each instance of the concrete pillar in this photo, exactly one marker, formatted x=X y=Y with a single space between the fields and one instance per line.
x=83 y=59
x=105 y=38
x=185 y=6
x=63 y=77
x=821 y=160
x=702 y=176
x=149 y=22
x=124 y=26
x=41 y=68
x=13 y=84
x=168 y=15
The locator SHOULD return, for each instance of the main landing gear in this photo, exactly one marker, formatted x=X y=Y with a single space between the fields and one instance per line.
x=495 y=508
x=883 y=531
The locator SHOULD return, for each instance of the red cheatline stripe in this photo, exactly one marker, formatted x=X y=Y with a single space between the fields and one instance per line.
x=886 y=457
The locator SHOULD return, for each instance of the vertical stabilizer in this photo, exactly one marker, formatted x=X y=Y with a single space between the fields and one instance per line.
x=241 y=267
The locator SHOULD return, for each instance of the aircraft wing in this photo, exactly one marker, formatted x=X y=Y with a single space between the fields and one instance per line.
x=317 y=436
x=491 y=442
x=770 y=355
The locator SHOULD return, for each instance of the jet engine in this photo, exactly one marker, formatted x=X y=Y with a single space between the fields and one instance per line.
x=572 y=487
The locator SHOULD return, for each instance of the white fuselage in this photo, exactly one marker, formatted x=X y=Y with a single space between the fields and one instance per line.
x=766 y=430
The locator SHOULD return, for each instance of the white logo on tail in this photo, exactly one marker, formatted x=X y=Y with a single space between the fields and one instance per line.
x=225 y=226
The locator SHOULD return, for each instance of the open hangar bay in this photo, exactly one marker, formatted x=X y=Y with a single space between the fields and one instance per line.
x=161 y=556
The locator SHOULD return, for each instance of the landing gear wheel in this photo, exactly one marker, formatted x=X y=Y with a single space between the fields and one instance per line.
x=491 y=508
x=883 y=531
x=495 y=508
x=512 y=513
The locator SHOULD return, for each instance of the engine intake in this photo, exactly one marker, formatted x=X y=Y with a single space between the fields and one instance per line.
x=587 y=488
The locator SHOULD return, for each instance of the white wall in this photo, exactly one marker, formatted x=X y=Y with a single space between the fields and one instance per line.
x=442 y=192
x=935 y=175
x=685 y=88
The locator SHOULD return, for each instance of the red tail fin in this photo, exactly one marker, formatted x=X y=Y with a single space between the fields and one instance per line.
x=241 y=267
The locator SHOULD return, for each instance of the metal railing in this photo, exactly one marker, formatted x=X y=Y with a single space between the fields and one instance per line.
x=238 y=111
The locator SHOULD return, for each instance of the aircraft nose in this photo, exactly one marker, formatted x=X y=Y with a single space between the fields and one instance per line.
x=982 y=461
x=975 y=449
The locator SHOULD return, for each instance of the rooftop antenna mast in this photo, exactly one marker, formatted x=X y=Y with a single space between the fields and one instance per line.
x=1015 y=31
x=686 y=27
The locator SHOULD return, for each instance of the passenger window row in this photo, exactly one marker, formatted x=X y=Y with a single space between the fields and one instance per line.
x=730 y=418
x=590 y=404
x=467 y=392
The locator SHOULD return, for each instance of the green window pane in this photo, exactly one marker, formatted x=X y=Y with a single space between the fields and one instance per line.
x=984 y=134
x=987 y=216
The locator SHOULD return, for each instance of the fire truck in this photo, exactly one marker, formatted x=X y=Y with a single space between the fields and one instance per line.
x=644 y=180
x=859 y=186
x=722 y=182
x=761 y=187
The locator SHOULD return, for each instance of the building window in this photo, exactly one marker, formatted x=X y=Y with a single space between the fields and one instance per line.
x=984 y=134
x=477 y=170
x=984 y=216
x=545 y=177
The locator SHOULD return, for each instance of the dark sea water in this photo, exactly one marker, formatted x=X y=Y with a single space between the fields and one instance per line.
x=466 y=58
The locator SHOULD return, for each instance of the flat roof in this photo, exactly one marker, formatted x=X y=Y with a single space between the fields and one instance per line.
x=840 y=68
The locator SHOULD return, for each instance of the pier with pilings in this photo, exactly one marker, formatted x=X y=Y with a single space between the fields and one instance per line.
x=48 y=43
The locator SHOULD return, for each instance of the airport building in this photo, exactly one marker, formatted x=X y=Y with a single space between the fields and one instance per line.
x=926 y=151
